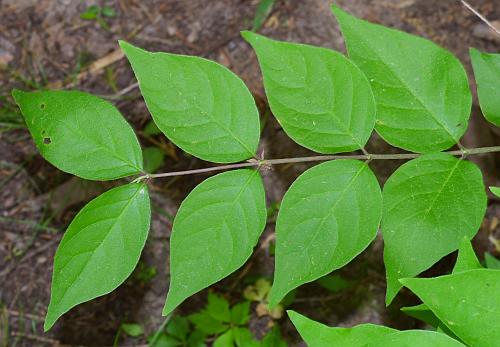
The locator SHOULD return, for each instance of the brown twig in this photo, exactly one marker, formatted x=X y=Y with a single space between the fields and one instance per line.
x=269 y=162
x=480 y=16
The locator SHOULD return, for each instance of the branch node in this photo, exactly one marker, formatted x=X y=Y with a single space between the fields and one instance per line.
x=142 y=178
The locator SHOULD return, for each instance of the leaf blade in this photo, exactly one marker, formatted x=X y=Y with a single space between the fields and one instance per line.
x=416 y=338
x=412 y=75
x=487 y=73
x=321 y=99
x=225 y=212
x=206 y=109
x=100 y=248
x=425 y=215
x=330 y=214
x=316 y=334
x=81 y=134
x=460 y=299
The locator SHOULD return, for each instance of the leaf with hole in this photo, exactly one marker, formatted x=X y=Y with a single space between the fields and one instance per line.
x=487 y=73
x=330 y=214
x=100 y=248
x=316 y=334
x=466 y=302
x=200 y=105
x=320 y=98
x=430 y=204
x=421 y=90
x=214 y=232
x=81 y=134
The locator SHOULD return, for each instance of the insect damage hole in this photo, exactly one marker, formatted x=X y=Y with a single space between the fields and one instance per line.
x=46 y=138
x=42 y=106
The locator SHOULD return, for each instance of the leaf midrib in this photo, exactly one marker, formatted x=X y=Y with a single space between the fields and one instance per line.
x=332 y=209
x=415 y=95
x=111 y=228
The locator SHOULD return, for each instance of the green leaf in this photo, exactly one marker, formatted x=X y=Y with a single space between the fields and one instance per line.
x=196 y=339
x=243 y=338
x=334 y=283
x=218 y=307
x=132 y=329
x=423 y=313
x=200 y=105
x=466 y=302
x=487 y=73
x=178 y=327
x=421 y=90
x=318 y=335
x=430 y=204
x=320 y=98
x=92 y=12
x=330 y=214
x=274 y=339
x=259 y=291
x=153 y=159
x=415 y=338
x=108 y=12
x=81 y=134
x=165 y=341
x=214 y=232
x=204 y=322
x=262 y=12
x=495 y=191
x=151 y=129
x=225 y=340
x=466 y=259
x=240 y=313
x=100 y=249
x=491 y=261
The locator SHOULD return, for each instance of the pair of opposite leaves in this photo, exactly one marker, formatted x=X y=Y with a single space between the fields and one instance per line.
x=325 y=103
x=462 y=307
